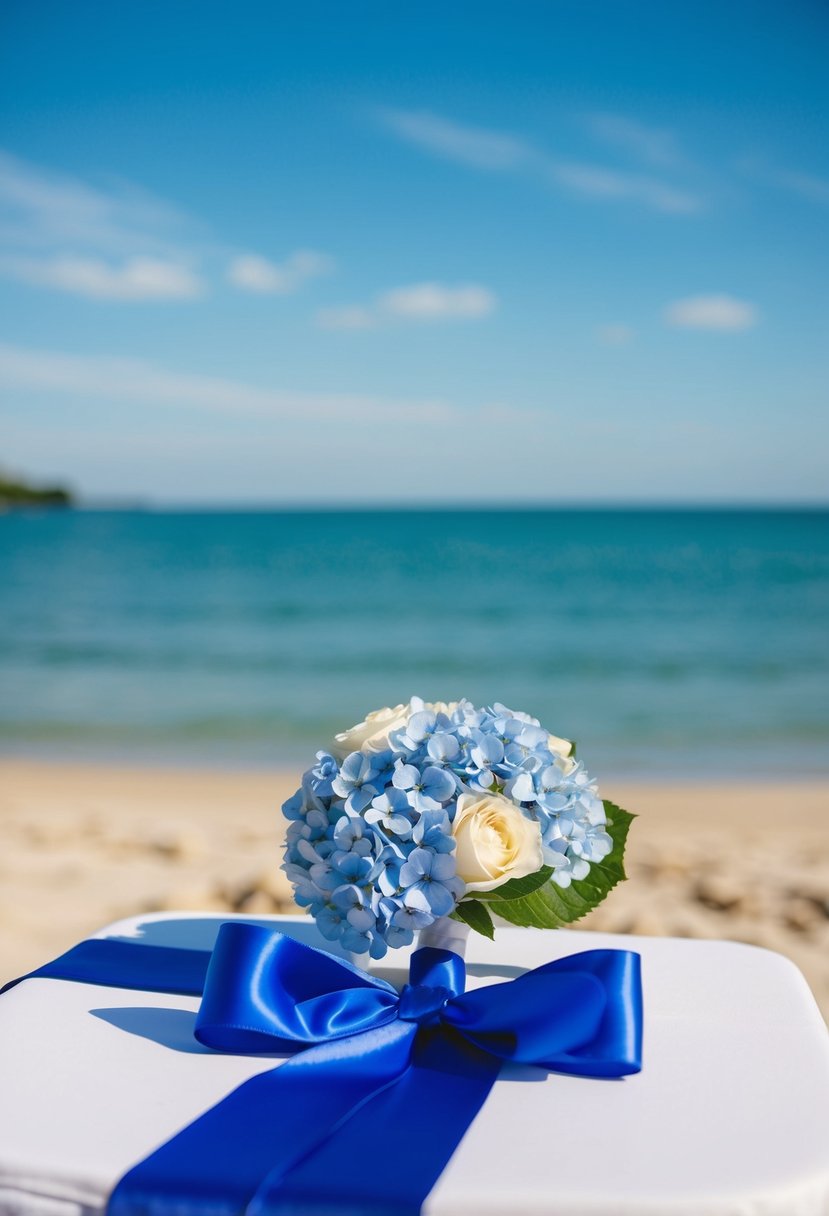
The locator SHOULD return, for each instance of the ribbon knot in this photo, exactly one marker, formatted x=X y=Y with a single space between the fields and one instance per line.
x=421 y=1004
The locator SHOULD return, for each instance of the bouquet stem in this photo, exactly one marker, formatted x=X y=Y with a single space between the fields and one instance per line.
x=445 y=934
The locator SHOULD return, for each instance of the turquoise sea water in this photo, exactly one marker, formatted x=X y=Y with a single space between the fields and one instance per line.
x=668 y=643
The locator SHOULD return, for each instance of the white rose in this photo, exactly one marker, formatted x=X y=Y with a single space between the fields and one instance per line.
x=562 y=749
x=494 y=841
x=372 y=735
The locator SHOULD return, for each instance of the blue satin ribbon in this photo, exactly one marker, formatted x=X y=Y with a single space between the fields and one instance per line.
x=381 y=1085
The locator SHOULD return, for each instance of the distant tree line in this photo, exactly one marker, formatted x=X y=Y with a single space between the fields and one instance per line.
x=16 y=493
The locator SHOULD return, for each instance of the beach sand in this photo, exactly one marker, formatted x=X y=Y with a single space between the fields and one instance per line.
x=84 y=845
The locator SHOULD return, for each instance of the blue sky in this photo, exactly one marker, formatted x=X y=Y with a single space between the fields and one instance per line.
x=562 y=251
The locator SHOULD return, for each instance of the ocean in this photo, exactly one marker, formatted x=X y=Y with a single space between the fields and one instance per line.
x=680 y=644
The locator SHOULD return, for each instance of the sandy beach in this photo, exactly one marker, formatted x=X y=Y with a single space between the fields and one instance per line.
x=83 y=845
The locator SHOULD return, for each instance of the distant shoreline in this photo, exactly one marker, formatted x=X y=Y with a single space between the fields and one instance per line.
x=18 y=495
x=460 y=508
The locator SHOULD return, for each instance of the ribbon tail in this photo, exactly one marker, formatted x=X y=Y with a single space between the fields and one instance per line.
x=125 y=964
x=388 y=1153
x=216 y=1164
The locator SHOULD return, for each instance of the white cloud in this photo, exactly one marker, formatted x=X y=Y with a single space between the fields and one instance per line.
x=466 y=145
x=137 y=279
x=143 y=383
x=43 y=209
x=353 y=316
x=615 y=335
x=653 y=145
x=250 y=272
x=719 y=312
x=435 y=302
x=416 y=302
x=495 y=151
x=118 y=243
x=602 y=183
x=806 y=184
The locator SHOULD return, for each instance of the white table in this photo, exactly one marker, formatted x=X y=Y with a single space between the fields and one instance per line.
x=729 y=1117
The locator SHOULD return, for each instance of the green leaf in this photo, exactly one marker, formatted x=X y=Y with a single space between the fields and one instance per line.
x=516 y=888
x=550 y=906
x=473 y=913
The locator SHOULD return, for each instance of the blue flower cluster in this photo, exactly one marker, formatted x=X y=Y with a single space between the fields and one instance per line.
x=370 y=849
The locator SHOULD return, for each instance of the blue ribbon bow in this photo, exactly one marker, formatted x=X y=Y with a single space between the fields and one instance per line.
x=381 y=1086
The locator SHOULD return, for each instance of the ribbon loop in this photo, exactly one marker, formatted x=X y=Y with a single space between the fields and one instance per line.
x=581 y=1014
x=268 y=992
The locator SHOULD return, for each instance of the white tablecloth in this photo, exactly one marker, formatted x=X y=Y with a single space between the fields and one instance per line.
x=729 y=1117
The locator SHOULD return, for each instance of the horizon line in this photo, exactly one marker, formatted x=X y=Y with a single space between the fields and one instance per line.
x=277 y=506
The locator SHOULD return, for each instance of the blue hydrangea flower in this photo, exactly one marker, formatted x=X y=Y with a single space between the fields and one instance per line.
x=331 y=922
x=353 y=835
x=389 y=862
x=485 y=754
x=429 y=882
x=391 y=812
x=408 y=918
x=427 y=789
x=353 y=782
x=434 y=831
x=322 y=775
x=443 y=747
x=357 y=907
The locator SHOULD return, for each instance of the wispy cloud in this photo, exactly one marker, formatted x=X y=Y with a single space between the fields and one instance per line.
x=417 y=302
x=250 y=272
x=465 y=145
x=718 y=312
x=811 y=186
x=41 y=209
x=655 y=146
x=139 y=382
x=350 y=316
x=615 y=335
x=603 y=183
x=437 y=302
x=496 y=151
x=806 y=184
x=139 y=278
x=118 y=243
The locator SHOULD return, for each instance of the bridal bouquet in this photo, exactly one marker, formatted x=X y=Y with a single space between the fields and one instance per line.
x=430 y=810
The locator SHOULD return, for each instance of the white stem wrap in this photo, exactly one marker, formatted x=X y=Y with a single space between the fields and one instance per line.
x=445 y=934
